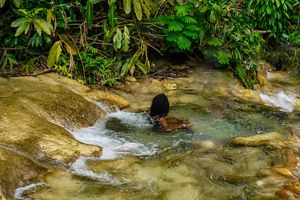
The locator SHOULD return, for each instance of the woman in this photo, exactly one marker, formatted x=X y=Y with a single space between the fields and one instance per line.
x=158 y=112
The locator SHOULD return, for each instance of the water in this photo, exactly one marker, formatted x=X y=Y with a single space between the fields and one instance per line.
x=139 y=161
x=283 y=101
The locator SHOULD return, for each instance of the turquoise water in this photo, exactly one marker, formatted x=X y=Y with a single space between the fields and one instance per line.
x=139 y=161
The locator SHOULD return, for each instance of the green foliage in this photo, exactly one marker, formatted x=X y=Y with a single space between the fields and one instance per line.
x=54 y=54
x=31 y=18
x=98 y=68
x=89 y=13
x=244 y=75
x=16 y=3
x=272 y=15
x=181 y=28
x=140 y=7
x=101 y=42
x=8 y=60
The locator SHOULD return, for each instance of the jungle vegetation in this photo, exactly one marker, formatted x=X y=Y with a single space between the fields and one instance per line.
x=102 y=41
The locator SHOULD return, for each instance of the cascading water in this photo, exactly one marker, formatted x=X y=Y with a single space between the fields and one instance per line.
x=139 y=162
x=113 y=147
x=283 y=101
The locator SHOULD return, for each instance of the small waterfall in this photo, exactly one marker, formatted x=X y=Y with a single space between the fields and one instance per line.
x=283 y=101
x=113 y=146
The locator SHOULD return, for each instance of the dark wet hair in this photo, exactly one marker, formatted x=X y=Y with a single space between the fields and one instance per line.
x=160 y=106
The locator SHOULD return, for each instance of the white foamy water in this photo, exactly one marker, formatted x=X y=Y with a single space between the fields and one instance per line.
x=113 y=146
x=281 y=100
x=19 y=193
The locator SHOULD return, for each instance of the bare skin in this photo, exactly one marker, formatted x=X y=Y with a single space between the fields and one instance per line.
x=173 y=123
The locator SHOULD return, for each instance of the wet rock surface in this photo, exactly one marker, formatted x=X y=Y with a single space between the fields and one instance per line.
x=35 y=116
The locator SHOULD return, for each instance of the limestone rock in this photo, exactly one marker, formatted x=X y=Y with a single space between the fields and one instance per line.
x=257 y=140
x=34 y=122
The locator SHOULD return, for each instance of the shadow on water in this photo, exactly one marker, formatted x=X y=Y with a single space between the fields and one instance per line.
x=143 y=162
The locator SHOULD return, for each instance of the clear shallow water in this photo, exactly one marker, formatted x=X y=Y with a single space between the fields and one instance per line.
x=141 y=162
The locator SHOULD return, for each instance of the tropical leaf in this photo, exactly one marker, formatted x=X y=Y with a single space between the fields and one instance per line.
x=222 y=57
x=192 y=34
x=125 y=68
x=126 y=39
x=22 y=28
x=112 y=14
x=142 y=66
x=110 y=2
x=146 y=9
x=44 y=25
x=191 y=27
x=70 y=45
x=203 y=9
x=171 y=37
x=89 y=13
x=54 y=54
x=165 y=19
x=2 y=3
x=50 y=16
x=216 y=42
x=127 y=6
x=175 y=26
x=131 y=69
x=182 y=10
x=17 y=3
x=183 y=42
x=138 y=9
x=19 y=22
x=117 y=39
x=35 y=40
x=188 y=20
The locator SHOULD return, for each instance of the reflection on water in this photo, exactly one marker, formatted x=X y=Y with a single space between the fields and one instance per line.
x=141 y=162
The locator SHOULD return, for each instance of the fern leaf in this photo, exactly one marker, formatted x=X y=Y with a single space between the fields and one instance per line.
x=165 y=19
x=191 y=27
x=175 y=26
x=183 y=42
x=216 y=42
x=188 y=20
x=182 y=10
x=171 y=37
x=222 y=57
x=92 y=49
x=54 y=54
x=192 y=34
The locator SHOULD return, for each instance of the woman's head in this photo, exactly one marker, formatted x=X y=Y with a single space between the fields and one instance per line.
x=160 y=106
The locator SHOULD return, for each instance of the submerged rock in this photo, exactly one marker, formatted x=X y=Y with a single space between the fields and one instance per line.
x=257 y=140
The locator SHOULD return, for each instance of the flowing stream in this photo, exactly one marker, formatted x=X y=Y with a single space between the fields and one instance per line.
x=139 y=161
